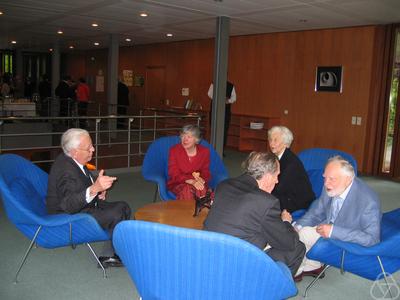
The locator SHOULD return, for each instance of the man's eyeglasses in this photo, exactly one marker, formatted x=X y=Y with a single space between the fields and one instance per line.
x=91 y=148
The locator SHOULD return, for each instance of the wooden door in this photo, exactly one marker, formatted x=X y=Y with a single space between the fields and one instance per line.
x=155 y=86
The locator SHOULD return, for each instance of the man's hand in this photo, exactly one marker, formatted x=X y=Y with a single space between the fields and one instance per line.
x=286 y=216
x=102 y=183
x=324 y=230
x=102 y=195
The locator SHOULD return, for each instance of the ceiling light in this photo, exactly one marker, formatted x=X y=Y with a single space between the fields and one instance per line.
x=1 y=13
x=143 y=14
x=51 y=49
x=169 y=35
x=128 y=40
x=95 y=25
x=71 y=47
x=60 y=32
x=13 y=42
x=96 y=43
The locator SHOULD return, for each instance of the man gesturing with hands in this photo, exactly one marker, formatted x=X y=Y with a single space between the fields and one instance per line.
x=73 y=189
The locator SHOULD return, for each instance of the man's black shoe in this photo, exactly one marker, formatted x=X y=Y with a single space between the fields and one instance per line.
x=112 y=261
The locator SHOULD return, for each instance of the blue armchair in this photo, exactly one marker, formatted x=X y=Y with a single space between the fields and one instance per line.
x=373 y=263
x=167 y=262
x=314 y=161
x=23 y=188
x=155 y=165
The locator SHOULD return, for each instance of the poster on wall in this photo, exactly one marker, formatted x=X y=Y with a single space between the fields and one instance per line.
x=329 y=79
x=139 y=80
x=128 y=77
x=99 y=83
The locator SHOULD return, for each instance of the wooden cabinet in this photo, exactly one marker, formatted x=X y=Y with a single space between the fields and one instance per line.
x=242 y=137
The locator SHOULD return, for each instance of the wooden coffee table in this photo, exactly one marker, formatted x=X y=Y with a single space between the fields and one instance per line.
x=174 y=212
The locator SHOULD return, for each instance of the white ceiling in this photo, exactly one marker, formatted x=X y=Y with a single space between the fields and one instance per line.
x=34 y=23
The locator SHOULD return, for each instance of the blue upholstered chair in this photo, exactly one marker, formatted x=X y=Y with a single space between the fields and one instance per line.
x=23 y=188
x=155 y=165
x=314 y=161
x=167 y=262
x=373 y=263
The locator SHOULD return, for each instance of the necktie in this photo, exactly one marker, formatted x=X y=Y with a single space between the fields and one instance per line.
x=334 y=209
x=87 y=173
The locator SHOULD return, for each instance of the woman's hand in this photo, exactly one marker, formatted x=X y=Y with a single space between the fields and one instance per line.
x=196 y=176
x=196 y=183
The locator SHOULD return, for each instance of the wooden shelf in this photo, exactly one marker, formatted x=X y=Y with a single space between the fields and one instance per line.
x=244 y=138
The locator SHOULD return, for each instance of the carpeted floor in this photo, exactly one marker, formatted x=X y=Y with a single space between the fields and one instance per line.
x=66 y=274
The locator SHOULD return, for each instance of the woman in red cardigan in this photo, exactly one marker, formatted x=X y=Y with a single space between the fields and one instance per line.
x=189 y=166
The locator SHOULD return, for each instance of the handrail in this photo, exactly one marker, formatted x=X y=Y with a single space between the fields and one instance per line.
x=29 y=135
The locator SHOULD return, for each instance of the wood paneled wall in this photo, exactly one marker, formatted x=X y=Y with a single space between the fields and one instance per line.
x=274 y=73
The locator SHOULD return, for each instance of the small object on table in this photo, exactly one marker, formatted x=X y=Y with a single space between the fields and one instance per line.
x=200 y=203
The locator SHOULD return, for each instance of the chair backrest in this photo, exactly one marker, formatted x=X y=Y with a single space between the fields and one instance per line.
x=155 y=163
x=167 y=262
x=23 y=187
x=314 y=161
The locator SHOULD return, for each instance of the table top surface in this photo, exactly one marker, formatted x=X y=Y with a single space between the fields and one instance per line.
x=175 y=212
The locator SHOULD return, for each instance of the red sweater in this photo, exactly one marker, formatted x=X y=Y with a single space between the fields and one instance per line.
x=82 y=92
x=180 y=168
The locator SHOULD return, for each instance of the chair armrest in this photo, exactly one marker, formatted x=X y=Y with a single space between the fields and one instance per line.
x=386 y=248
x=298 y=214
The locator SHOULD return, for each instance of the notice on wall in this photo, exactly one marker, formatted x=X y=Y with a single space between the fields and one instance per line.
x=99 y=83
x=128 y=77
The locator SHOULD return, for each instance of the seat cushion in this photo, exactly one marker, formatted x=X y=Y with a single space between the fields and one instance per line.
x=27 y=196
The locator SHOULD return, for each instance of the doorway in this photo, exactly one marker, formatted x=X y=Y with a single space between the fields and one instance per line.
x=390 y=163
x=155 y=87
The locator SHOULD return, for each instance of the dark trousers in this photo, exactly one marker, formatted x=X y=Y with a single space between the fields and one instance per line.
x=227 y=122
x=121 y=110
x=109 y=214
x=291 y=258
x=82 y=112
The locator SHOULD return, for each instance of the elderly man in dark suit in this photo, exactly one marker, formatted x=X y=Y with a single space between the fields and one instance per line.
x=243 y=207
x=294 y=189
x=73 y=189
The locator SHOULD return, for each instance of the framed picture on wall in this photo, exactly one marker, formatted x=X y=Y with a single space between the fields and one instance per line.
x=329 y=79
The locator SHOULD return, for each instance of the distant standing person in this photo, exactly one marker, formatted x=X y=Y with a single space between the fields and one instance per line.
x=66 y=93
x=29 y=88
x=44 y=93
x=230 y=98
x=82 y=96
x=44 y=87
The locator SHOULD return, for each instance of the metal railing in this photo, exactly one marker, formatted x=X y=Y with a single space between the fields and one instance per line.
x=41 y=135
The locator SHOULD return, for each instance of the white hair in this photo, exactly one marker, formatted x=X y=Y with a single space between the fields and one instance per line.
x=287 y=135
x=71 y=139
x=194 y=130
x=345 y=166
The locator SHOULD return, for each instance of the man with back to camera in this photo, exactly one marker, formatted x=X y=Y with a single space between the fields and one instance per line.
x=244 y=207
x=347 y=210
x=72 y=189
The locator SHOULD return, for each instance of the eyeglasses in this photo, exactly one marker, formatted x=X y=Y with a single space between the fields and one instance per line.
x=91 y=148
